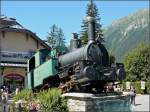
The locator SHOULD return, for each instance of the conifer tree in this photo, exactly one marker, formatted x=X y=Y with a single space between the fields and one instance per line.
x=92 y=10
x=56 y=39
x=52 y=36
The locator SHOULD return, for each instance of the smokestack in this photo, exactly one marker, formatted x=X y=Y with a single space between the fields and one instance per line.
x=91 y=28
x=75 y=42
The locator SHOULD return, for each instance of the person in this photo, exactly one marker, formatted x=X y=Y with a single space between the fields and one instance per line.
x=17 y=90
x=4 y=97
x=132 y=95
x=1 y=91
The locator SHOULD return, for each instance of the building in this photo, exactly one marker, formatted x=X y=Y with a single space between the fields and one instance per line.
x=17 y=45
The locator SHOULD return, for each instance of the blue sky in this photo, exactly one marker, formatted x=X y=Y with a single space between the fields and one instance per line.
x=38 y=16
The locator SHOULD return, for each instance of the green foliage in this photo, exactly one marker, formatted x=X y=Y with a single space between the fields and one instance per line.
x=136 y=63
x=23 y=95
x=92 y=10
x=52 y=35
x=56 y=37
x=84 y=38
x=148 y=87
x=137 y=85
x=51 y=101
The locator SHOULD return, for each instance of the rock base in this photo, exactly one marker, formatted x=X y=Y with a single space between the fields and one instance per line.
x=83 y=102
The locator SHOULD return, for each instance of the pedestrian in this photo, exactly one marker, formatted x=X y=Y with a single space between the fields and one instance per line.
x=132 y=95
x=17 y=90
x=4 y=97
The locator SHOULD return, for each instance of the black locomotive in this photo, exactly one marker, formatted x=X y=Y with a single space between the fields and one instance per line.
x=83 y=69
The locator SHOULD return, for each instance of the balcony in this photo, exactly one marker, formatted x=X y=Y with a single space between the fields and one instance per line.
x=15 y=57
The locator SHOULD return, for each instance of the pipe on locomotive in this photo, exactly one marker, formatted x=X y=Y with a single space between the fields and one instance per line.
x=91 y=28
x=75 y=42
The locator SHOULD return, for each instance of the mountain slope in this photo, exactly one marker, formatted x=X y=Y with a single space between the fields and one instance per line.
x=126 y=33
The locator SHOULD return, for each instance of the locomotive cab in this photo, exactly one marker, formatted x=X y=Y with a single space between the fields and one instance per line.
x=41 y=66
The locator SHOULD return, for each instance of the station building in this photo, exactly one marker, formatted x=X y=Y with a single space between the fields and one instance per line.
x=17 y=45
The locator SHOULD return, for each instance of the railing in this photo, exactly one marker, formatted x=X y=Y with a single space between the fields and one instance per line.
x=15 y=56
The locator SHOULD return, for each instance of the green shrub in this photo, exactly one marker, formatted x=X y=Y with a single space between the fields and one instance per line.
x=25 y=95
x=137 y=86
x=148 y=87
x=51 y=101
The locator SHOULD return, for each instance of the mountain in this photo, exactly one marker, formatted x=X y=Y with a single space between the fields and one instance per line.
x=126 y=33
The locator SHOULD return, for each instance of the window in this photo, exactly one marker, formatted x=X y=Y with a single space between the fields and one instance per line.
x=31 y=64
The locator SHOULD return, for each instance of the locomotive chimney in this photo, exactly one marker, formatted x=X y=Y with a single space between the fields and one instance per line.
x=75 y=42
x=91 y=28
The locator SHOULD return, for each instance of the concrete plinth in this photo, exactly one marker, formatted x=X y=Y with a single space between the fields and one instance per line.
x=83 y=102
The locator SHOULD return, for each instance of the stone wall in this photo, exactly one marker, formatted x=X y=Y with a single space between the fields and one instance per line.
x=82 y=102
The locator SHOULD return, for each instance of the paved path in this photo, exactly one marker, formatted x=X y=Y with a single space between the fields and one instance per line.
x=142 y=103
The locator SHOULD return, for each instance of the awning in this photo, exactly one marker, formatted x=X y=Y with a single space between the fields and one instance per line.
x=14 y=76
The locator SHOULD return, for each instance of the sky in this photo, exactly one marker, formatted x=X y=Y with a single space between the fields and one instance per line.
x=39 y=16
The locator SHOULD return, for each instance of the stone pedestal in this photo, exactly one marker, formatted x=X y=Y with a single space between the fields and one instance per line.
x=83 y=102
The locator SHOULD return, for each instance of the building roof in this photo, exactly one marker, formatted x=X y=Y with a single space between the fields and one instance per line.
x=10 y=24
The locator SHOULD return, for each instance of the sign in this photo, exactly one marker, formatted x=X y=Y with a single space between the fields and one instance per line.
x=13 y=64
x=13 y=76
x=8 y=54
x=15 y=56
x=142 y=85
x=128 y=85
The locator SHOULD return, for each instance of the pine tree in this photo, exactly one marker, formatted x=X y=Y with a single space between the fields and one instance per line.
x=92 y=10
x=52 y=36
x=56 y=39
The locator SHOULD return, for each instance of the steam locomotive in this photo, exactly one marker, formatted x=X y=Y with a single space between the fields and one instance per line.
x=83 y=69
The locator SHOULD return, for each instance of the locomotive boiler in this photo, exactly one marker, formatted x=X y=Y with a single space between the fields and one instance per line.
x=84 y=69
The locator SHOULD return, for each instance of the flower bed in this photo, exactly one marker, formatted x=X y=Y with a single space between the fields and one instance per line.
x=44 y=101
